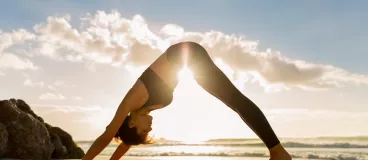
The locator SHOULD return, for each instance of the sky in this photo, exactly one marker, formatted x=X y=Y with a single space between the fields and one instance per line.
x=302 y=63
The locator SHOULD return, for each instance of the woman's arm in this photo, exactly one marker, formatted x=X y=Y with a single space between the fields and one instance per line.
x=135 y=98
x=102 y=141
x=120 y=151
x=98 y=145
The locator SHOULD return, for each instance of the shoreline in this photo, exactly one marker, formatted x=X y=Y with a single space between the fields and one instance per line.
x=188 y=157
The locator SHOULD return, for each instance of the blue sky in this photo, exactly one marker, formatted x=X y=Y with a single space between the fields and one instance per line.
x=59 y=73
x=320 y=31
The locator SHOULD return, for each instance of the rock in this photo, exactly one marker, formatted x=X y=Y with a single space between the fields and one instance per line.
x=9 y=112
x=66 y=139
x=25 y=108
x=60 y=150
x=3 y=139
x=25 y=143
x=28 y=139
x=76 y=152
x=27 y=136
x=47 y=126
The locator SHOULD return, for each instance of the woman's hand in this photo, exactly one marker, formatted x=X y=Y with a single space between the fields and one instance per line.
x=279 y=153
x=120 y=151
x=281 y=156
x=98 y=145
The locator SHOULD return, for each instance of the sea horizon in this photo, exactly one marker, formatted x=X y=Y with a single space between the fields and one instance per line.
x=358 y=137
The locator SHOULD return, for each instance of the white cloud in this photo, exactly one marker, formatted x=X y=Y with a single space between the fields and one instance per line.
x=112 y=39
x=172 y=30
x=49 y=50
x=51 y=96
x=15 y=37
x=59 y=83
x=78 y=98
x=93 y=43
x=11 y=61
x=74 y=58
x=29 y=83
x=51 y=87
x=56 y=84
x=67 y=108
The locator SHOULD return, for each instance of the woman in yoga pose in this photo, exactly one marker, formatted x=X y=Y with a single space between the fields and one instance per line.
x=154 y=90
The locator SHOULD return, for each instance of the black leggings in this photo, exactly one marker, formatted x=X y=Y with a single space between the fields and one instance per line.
x=214 y=81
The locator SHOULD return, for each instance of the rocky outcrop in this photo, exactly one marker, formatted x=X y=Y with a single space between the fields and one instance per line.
x=25 y=135
x=3 y=139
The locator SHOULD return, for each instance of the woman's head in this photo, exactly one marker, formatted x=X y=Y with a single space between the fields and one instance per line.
x=135 y=129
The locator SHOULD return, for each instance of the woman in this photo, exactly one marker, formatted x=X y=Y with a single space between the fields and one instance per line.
x=154 y=90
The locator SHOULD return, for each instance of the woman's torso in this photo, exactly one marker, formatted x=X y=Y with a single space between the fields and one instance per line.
x=159 y=81
x=159 y=93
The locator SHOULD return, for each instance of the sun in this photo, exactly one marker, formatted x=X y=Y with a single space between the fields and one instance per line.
x=185 y=74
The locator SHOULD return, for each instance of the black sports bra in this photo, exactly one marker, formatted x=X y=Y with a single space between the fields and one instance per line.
x=158 y=91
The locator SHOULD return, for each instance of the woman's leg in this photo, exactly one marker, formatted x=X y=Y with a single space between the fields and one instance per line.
x=214 y=81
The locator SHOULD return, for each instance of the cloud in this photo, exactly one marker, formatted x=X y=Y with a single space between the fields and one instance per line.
x=67 y=108
x=51 y=87
x=93 y=43
x=78 y=98
x=109 y=38
x=59 y=83
x=11 y=61
x=56 y=84
x=29 y=83
x=15 y=37
x=51 y=96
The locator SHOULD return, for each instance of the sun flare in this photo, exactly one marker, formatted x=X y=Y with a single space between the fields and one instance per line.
x=185 y=74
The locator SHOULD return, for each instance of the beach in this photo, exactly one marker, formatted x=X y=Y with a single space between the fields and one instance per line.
x=183 y=158
x=186 y=157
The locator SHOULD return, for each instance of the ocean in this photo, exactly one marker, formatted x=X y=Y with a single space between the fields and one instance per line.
x=332 y=148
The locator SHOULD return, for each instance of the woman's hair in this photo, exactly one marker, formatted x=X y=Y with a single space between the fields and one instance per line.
x=129 y=135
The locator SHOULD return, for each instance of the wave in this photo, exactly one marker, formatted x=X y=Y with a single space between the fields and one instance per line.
x=244 y=154
x=352 y=138
x=286 y=144
x=237 y=140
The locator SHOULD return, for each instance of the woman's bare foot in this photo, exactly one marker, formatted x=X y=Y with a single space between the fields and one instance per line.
x=279 y=153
